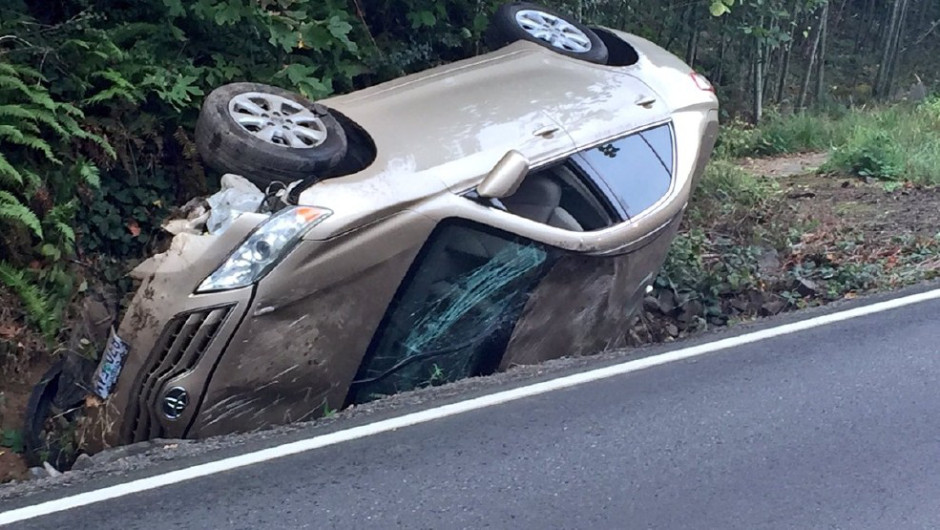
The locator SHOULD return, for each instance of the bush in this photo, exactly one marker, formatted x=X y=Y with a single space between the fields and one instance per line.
x=869 y=153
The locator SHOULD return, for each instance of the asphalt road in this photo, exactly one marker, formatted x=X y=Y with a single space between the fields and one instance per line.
x=835 y=427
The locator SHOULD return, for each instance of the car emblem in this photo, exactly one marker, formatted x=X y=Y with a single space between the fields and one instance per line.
x=174 y=402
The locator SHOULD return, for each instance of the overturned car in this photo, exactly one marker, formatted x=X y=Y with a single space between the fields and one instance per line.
x=497 y=211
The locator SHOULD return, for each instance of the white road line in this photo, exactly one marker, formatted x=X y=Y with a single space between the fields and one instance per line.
x=309 y=444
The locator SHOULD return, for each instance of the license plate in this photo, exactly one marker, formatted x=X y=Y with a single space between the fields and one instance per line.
x=112 y=360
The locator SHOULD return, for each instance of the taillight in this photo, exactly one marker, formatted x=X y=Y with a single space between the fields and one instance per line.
x=702 y=82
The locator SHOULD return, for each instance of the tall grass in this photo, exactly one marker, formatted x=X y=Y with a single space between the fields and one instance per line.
x=900 y=142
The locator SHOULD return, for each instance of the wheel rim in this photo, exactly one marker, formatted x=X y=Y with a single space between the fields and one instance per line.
x=277 y=120
x=554 y=30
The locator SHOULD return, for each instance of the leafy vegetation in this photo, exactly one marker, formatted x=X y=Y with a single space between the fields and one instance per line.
x=750 y=250
x=895 y=142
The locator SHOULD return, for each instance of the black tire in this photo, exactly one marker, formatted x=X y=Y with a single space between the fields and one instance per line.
x=43 y=444
x=504 y=29
x=228 y=147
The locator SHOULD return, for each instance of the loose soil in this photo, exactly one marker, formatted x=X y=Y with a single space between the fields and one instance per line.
x=836 y=221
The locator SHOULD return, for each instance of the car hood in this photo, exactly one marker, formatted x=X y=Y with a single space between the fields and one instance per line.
x=457 y=120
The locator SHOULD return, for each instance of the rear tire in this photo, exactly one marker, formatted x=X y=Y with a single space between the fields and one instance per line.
x=545 y=27
x=267 y=134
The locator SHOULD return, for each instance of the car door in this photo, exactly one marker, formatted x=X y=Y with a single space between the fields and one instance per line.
x=455 y=310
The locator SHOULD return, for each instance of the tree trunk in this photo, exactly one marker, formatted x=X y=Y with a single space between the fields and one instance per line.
x=868 y=20
x=722 y=48
x=758 y=109
x=785 y=65
x=821 y=74
x=804 y=88
x=892 y=70
x=691 y=49
x=880 y=85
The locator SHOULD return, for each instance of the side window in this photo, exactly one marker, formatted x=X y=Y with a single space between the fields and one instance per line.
x=600 y=186
x=635 y=170
x=561 y=196
x=454 y=313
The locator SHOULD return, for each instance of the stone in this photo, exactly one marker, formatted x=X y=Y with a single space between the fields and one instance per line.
x=651 y=304
x=772 y=307
x=52 y=472
x=83 y=461
x=805 y=287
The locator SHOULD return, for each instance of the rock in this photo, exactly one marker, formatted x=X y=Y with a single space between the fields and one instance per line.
x=83 y=461
x=651 y=304
x=805 y=287
x=690 y=310
x=667 y=301
x=53 y=472
x=772 y=307
x=740 y=304
x=768 y=262
x=672 y=330
x=37 y=473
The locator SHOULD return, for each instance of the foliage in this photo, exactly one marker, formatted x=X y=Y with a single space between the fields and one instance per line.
x=870 y=153
x=891 y=143
x=13 y=440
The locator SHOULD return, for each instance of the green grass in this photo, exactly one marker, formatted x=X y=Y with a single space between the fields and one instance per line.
x=897 y=143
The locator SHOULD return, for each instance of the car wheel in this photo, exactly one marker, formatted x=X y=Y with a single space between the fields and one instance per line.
x=560 y=33
x=49 y=432
x=267 y=134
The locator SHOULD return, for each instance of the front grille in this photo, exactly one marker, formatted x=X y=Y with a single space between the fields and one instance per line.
x=178 y=350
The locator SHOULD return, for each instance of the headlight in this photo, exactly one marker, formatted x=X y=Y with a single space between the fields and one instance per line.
x=264 y=248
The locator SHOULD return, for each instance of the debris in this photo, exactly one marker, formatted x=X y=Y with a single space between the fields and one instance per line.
x=236 y=197
x=53 y=472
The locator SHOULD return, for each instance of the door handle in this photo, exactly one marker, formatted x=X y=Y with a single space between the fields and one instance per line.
x=645 y=101
x=546 y=131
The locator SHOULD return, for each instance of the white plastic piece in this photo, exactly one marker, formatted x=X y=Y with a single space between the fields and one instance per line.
x=236 y=197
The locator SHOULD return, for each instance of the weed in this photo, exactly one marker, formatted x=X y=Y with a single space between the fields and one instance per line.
x=12 y=439
x=869 y=153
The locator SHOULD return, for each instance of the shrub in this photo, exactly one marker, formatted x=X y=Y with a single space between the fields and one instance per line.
x=870 y=153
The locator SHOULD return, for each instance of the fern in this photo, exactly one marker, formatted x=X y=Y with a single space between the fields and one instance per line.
x=8 y=173
x=37 y=309
x=14 y=135
x=31 y=181
x=16 y=111
x=21 y=70
x=89 y=173
x=12 y=209
x=67 y=231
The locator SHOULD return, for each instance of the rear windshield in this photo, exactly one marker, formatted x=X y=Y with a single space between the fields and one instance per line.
x=634 y=171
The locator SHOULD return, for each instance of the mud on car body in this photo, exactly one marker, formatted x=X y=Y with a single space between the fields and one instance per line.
x=501 y=210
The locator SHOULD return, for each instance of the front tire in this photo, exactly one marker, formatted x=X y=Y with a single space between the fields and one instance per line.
x=267 y=134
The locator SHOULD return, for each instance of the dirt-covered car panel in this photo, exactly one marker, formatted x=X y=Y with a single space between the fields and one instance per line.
x=322 y=317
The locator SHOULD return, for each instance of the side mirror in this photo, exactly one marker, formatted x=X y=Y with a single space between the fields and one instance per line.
x=505 y=177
